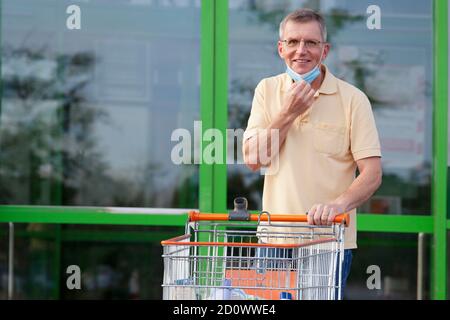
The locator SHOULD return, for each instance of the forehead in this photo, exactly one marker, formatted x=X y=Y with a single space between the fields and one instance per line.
x=310 y=30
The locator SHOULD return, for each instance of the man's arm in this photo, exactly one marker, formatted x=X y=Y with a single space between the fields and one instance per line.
x=262 y=142
x=362 y=188
x=300 y=97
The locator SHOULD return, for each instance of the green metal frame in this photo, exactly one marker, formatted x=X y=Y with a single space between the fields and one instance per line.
x=440 y=140
x=110 y=236
x=44 y=214
x=213 y=178
x=214 y=93
x=206 y=189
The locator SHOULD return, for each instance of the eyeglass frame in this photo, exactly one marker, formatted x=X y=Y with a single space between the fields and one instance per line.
x=304 y=42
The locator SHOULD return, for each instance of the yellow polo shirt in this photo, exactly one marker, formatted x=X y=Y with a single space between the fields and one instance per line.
x=317 y=162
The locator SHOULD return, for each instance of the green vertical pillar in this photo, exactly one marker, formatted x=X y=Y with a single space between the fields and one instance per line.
x=214 y=55
x=440 y=136
x=221 y=102
x=207 y=99
x=214 y=91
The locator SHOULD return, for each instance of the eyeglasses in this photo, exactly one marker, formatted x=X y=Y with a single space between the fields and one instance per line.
x=309 y=44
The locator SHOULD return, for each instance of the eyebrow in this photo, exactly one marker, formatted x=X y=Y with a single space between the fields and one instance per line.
x=304 y=39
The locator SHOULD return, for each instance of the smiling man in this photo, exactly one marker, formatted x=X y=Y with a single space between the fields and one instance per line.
x=326 y=131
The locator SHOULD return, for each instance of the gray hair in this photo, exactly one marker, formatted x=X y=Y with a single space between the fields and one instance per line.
x=305 y=15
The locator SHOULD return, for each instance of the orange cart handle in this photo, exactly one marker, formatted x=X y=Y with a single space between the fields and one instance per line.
x=197 y=216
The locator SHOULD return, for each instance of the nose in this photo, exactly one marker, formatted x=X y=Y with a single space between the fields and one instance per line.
x=301 y=47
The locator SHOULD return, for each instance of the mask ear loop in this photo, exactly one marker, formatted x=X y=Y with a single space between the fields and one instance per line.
x=321 y=56
x=317 y=67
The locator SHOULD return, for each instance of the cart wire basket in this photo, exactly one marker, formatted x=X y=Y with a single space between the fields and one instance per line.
x=261 y=257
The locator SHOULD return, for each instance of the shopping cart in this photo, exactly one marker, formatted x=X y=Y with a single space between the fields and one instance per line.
x=265 y=257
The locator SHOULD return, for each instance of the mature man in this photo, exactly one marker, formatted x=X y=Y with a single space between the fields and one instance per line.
x=326 y=130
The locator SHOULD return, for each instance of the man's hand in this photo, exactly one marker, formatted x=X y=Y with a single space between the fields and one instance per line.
x=324 y=214
x=361 y=189
x=299 y=98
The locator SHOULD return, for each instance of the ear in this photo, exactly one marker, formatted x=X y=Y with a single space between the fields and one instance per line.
x=280 y=49
x=326 y=50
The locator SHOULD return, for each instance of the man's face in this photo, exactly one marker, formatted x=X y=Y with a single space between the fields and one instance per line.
x=303 y=57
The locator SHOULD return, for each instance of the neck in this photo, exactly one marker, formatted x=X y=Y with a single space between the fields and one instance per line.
x=318 y=82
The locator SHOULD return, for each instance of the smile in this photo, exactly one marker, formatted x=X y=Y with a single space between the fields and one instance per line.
x=301 y=60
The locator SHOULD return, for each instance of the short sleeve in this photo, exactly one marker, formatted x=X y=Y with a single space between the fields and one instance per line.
x=258 y=118
x=363 y=131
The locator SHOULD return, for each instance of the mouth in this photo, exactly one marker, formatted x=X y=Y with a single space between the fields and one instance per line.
x=301 y=61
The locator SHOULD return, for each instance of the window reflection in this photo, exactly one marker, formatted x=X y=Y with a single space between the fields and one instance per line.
x=116 y=262
x=3 y=261
x=87 y=115
x=34 y=253
x=393 y=66
x=396 y=256
x=116 y=270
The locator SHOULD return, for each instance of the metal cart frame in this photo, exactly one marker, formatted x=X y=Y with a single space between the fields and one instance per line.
x=264 y=257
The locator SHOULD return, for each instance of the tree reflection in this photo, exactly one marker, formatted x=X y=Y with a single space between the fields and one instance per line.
x=49 y=148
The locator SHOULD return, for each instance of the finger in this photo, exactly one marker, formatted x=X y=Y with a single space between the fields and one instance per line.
x=318 y=214
x=325 y=214
x=308 y=93
x=331 y=216
x=293 y=89
x=311 y=94
x=300 y=87
x=310 y=216
x=302 y=91
x=307 y=96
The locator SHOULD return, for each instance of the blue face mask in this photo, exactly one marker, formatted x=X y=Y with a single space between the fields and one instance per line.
x=308 y=77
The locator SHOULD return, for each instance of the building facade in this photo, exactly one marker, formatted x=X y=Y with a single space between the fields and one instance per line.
x=95 y=93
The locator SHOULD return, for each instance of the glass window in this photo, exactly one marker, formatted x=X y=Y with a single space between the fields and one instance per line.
x=115 y=262
x=393 y=66
x=35 y=264
x=87 y=114
x=4 y=261
x=394 y=257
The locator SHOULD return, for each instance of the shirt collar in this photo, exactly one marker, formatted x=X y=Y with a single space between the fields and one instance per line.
x=329 y=84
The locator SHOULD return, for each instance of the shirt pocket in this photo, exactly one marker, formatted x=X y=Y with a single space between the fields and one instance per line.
x=328 y=138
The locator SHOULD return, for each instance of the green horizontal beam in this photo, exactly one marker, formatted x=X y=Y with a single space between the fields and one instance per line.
x=98 y=235
x=394 y=223
x=38 y=214
x=43 y=214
